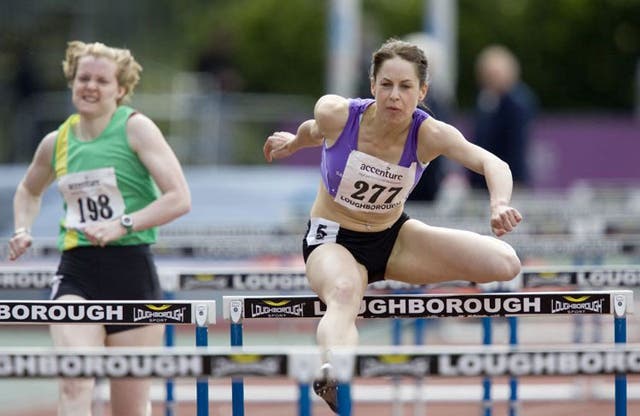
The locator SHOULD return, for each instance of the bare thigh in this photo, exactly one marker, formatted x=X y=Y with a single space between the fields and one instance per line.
x=425 y=254
x=77 y=335
x=331 y=267
x=130 y=396
x=145 y=336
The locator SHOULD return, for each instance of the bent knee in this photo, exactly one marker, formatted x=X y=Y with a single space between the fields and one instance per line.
x=74 y=389
x=508 y=264
x=345 y=292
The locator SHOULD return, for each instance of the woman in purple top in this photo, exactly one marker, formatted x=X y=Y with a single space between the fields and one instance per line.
x=373 y=153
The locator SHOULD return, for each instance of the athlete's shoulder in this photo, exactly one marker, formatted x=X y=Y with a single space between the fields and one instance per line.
x=44 y=152
x=139 y=124
x=331 y=113
x=143 y=132
x=330 y=104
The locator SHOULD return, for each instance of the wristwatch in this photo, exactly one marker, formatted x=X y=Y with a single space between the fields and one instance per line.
x=127 y=222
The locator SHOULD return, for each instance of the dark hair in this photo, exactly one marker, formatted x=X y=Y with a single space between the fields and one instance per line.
x=405 y=50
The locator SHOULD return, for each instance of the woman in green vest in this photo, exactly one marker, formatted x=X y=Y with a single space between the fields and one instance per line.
x=120 y=180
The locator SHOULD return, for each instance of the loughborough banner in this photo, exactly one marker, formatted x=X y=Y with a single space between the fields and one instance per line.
x=174 y=365
x=108 y=312
x=139 y=365
x=525 y=363
x=407 y=306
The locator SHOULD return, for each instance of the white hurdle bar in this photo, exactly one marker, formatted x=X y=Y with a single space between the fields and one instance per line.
x=198 y=313
x=302 y=363
x=294 y=278
x=617 y=302
x=224 y=246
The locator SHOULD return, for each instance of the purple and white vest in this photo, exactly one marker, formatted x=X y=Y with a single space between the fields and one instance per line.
x=363 y=182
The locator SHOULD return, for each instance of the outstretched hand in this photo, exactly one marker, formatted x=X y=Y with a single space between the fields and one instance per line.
x=19 y=244
x=277 y=145
x=504 y=219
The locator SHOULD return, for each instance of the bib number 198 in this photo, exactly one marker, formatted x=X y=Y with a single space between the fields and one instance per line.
x=92 y=210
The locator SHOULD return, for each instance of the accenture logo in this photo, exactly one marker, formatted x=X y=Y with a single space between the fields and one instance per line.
x=385 y=173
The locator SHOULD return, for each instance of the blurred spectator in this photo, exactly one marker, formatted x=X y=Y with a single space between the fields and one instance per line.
x=505 y=107
x=439 y=104
x=216 y=60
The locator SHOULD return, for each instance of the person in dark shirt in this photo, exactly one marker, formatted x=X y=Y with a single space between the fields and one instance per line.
x=505 y=107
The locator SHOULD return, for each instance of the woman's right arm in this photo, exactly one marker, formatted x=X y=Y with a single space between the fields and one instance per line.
x=330 y=115
x=28 y=196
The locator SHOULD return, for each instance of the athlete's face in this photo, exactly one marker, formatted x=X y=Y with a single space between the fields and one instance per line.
x=397 y=89
x=95 y=89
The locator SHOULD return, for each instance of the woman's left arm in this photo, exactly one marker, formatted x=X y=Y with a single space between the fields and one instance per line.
x=438 y=138
x=154 y=152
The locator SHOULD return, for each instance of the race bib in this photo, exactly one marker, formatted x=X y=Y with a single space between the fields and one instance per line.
x=322 y=231
x=373 y=185
x=91 y=196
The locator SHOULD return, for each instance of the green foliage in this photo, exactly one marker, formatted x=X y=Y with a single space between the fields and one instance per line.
x=277 y=46
x=574 y=53
x=394 y=18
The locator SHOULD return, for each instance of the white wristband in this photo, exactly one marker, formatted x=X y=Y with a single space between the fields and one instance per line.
x=21 y=230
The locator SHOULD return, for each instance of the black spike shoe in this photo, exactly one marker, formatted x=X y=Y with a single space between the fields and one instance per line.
x=327 y=389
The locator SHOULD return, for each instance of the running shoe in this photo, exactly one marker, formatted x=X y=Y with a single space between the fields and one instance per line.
x=327 y=389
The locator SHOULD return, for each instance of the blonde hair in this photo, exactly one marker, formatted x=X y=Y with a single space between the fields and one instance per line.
x=128 y=69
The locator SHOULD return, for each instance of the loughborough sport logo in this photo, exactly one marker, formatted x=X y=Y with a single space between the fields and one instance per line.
x=247 y=365
x=577 y=305
x=277 y=309
x=159 y=313
x=393 y=365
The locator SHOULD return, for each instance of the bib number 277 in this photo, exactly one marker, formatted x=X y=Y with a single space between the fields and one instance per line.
x=362 y=188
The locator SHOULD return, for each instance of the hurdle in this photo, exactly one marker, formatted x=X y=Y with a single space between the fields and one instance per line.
x=176 y=362
x=487 y=361
x=26 y=277
x=302 y=363
x=618 y=303
x=251 y=245
x=294 y=279
x=198 y=313
x=580 y=277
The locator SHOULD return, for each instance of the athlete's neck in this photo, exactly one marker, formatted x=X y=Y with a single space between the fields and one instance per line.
x=89 y=128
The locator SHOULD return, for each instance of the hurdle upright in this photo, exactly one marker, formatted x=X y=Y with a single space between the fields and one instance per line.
x=198 y=313
x=616 y=302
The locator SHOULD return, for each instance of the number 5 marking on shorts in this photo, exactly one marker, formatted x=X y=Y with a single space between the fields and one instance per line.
x=320 y=232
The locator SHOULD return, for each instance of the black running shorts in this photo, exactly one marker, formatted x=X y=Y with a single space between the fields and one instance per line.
x=371 y=249
x=108 y=273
